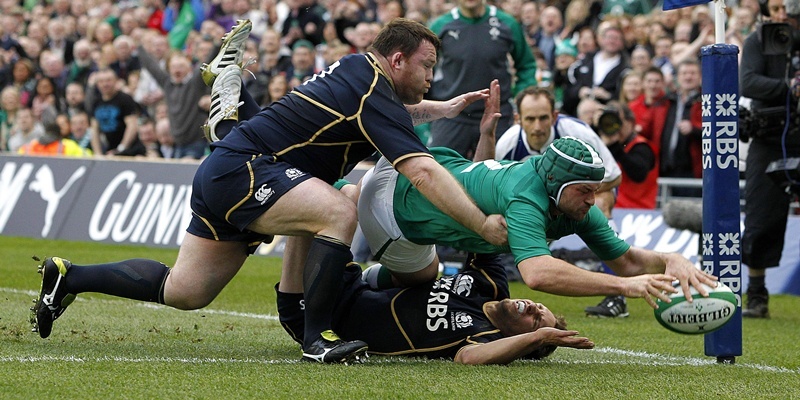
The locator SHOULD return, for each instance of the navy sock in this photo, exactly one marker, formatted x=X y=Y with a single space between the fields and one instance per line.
x=137 y=279
x=250 y=107
x=757 y=283
x=291 y=313
x=323 y=283
x=224 y=127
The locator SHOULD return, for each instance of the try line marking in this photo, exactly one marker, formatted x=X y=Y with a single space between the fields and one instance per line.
x=619 y=356
x=630 y=358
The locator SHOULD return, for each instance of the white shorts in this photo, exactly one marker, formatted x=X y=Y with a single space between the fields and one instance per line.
x=377 y=221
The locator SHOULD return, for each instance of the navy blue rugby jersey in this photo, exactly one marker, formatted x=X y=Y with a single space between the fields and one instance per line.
x=432 y=320
x=332 y=121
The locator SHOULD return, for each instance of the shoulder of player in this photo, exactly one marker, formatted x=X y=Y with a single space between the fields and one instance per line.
x=571 y=126
x=444 y=155
x=352 y=70
x=594 y=218
x=566 y=120
x=523 y=201
x=365 y=60
x=440 y=23
x=506 y=18
x=536 y=191
x=511 y=132
x=507 y=139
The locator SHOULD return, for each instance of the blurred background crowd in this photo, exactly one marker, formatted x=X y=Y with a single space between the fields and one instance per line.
x=116 y=78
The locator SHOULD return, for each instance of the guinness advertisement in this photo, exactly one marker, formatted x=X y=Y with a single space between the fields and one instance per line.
x=95 y=200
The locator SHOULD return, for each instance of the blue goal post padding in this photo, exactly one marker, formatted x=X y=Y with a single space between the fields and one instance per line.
x=721 y=237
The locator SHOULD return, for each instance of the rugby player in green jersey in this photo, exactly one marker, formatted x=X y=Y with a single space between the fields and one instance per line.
x=542 y=199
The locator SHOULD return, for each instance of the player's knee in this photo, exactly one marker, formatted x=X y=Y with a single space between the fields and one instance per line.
x=342 y=216
x=185 y=297
x=419 y=277
x=188 y=302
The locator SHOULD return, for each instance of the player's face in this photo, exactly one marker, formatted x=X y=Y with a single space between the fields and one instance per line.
x=415 y=73
x=471 y=5
x=523 y=316
x=577 y=199
x=536 y=117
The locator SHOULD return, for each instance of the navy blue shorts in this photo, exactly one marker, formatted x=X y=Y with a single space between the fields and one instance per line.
x=230 y=190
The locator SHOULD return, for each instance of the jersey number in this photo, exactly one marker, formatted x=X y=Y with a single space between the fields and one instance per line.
x=490 y=164
x=323 y=73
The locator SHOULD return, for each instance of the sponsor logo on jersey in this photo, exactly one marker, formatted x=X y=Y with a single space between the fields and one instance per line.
x=454 y=34
x=444 y=283
x=464 y=285
x=494 y=31
x=437 y=311
x=461 y=320
x=294 y=173
x=439 y=317
x=264 y=193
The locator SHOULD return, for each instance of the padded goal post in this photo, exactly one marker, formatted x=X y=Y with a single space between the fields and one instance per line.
x=721 y=237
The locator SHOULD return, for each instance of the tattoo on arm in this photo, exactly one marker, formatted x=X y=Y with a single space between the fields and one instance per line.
x=421 y=115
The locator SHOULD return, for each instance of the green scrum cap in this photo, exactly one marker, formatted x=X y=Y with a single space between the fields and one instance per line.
x=568 y=161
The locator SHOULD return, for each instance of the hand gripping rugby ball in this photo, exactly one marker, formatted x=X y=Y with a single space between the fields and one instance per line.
x=702 y=315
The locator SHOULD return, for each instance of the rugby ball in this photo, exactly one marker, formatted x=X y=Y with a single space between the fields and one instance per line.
x=702 y=315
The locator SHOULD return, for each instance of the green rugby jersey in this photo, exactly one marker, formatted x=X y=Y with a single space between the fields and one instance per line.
x=476 y=50
x=510 y=188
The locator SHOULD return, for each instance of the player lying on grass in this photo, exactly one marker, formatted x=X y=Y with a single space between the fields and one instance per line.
x=467 y=317
x=542 y=199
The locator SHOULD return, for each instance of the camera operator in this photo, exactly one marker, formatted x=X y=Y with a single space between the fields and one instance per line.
x=634 y=154
x=766 y=78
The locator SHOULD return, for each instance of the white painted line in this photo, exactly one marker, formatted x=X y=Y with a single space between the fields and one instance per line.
x=624 y=357
x=202 y=310
x=144 y=360
x=648 y=359
x=655 y=359
x=152 y=306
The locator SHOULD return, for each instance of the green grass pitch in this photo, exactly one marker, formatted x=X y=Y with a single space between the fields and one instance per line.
x=105 y=347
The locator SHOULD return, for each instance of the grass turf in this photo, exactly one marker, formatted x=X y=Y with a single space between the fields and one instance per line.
x=104 y=347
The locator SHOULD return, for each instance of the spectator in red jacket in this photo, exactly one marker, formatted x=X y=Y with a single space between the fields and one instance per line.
x=681 y=155
x=634 y=154
x=651 y=108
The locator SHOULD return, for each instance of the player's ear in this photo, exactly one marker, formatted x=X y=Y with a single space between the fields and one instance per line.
x=396 y=59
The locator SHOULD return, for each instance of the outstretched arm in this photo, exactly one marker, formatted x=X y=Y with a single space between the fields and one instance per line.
x=430 y=110
x=508 y=349
x=491 y=114
x=551 y=275
x=638 y=260
x=640 y=273
x=151 y=65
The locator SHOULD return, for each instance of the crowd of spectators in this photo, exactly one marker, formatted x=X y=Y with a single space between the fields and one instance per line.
x=112 y=72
